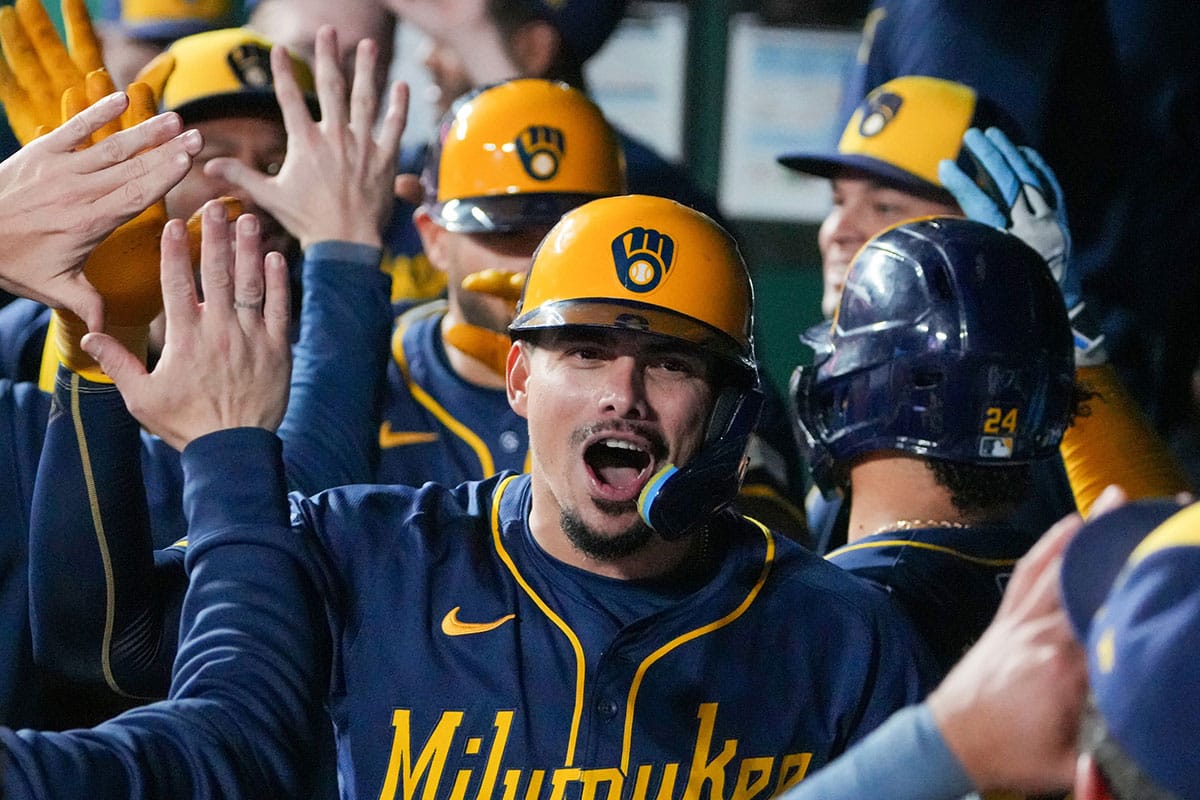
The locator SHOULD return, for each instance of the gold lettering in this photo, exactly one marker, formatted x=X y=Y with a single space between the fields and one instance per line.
x=591 y=778
x=535 y=784
x=459 y=791
x=792 y=769
x=665 y=789
x=702 y=771
x=753 y=775
x=559 y=781
x=503 y=727
x=429 y=763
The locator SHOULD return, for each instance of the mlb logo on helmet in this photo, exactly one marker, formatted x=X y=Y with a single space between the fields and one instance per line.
x=642 y=258
x=541 y=149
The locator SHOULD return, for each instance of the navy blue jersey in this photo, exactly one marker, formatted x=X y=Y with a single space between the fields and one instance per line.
x=37 y=696
x=948 y=580
x=461 y=660
x=437 y=426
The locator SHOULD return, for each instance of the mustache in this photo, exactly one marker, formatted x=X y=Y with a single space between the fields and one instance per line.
x=658 y=446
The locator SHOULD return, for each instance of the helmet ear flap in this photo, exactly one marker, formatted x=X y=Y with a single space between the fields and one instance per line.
x=677 y=497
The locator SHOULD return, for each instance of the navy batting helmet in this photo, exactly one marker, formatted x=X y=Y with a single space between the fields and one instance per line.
x=951 y=341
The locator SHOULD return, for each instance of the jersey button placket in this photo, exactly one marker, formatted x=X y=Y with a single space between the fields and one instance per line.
x=607 y=708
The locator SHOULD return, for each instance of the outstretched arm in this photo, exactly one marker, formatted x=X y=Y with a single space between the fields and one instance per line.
x=1004 y=718
x=244 y=718
x=1112 y=442
x=334 y=193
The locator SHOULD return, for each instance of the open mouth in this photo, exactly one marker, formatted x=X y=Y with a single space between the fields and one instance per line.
x=619 y=467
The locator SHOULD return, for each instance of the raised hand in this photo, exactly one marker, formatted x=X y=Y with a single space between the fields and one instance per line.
x=37 y=68
x=1017 y=191
x=337 y=181
x=60 y=198
x=226 y=362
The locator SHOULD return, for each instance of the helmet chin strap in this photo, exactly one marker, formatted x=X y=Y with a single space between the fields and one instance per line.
x=676 y=499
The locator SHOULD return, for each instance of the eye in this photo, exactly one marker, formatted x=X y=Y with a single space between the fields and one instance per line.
x=272 y=168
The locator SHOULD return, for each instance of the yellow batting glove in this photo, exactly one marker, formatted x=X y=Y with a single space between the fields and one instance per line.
x=124 y=267
x=37 y=68
x=500 y=283
x=487 y=346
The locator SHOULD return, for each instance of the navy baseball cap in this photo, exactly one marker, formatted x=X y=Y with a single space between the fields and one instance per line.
x=167 y=19
x=584 y=25
x=902 y=130
x=1131 y=588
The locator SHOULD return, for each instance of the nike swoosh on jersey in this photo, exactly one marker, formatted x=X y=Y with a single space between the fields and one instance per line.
x=453 y=626
x=391 y=438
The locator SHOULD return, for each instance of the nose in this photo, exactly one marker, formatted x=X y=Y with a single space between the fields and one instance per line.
x=844 y=228
x=625 y=390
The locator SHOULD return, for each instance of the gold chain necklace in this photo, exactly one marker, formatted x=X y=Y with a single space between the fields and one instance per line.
x=917 y=524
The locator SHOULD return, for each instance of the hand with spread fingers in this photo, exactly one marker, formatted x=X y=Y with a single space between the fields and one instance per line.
x=60 y=198
x=1017 y=191
x=37 y=68
x=226 y=362
x=336 y=182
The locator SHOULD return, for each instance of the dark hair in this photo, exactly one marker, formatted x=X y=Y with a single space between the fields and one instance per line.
x=987 y=490
x=1125 y=780
x=512 y=15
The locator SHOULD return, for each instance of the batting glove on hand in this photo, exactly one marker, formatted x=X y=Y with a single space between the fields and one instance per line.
x=487 y=346
x=37 y=69
x=1016 y=191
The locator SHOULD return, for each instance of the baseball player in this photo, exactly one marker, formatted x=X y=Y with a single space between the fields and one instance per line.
x=509 y=161
x=106 y=604
x=47 y=238
x=890 y=166
x=947 y=371
x=590 y=626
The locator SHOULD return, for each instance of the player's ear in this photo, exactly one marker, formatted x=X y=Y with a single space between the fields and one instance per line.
x=517 y=377
x=534 y=47
x=433 y=238
x=1089 y=783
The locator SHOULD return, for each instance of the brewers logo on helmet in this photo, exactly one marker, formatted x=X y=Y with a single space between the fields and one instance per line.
x=951 y=341
x=518 y=155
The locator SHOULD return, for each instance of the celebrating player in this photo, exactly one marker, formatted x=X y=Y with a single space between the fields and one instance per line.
x=581 y=628
x=946 y=372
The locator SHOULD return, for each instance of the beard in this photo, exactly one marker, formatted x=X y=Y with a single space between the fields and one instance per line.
x=605 y=547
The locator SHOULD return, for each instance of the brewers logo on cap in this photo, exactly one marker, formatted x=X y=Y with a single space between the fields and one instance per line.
x=902 y=130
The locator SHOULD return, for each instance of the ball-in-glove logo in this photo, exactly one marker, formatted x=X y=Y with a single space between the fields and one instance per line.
x=642 y=258
x=251 y=63
x=878 y=110
x=541 y=149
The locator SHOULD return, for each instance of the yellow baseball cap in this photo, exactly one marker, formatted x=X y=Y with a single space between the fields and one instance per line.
x=224 y=72
x=902 y=129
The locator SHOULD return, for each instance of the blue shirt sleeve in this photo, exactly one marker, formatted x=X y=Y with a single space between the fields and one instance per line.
x=245 y=715
x=904 y=759
x=331 y=429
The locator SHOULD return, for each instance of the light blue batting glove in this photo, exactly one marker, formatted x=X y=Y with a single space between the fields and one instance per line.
x=1016 y=191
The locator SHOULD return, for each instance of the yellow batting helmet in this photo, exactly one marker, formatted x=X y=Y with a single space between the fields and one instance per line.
x=644 y=263
x=518 y=155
